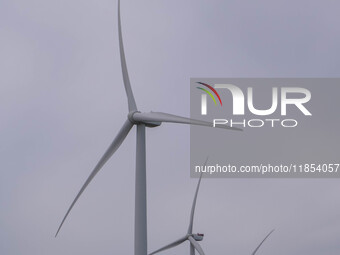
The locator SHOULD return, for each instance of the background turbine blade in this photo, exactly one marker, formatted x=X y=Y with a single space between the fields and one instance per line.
x=171 y=245
x=131 y=99
x=194 y=203
x=262 y=242
x=109 y=152
x=165 y=117
x=196 y=245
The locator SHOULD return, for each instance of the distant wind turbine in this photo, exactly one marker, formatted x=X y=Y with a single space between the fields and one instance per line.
x=191 y=237
x=141 y=120
x=195 y=238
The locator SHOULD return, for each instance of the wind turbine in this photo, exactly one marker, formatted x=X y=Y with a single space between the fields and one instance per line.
x=141 y=120
x=191 y=237
x=195 y=238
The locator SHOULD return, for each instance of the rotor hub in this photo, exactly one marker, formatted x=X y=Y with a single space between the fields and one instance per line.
x=148 y=123
x=130 y=117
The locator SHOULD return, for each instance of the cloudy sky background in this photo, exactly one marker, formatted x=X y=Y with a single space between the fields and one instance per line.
x=63 y=101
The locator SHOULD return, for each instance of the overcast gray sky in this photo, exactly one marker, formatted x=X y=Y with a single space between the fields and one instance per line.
x=63 y=101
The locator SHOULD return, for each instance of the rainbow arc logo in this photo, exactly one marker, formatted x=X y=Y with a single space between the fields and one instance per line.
x=204 y=96
x=209 y=93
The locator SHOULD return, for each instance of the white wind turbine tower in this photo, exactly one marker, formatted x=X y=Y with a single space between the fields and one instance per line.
x=141 y=120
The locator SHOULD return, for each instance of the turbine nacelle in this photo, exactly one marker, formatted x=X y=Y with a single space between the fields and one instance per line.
x=138 y=120
x=198 y=237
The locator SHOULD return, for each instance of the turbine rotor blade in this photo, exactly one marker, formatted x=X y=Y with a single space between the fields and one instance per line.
x=194 y=203
x=192 y=249
x=109 y=152
x=196 y=245
x=171 y=245
x=254 y=252
x=128 y=89
x=154 y=117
